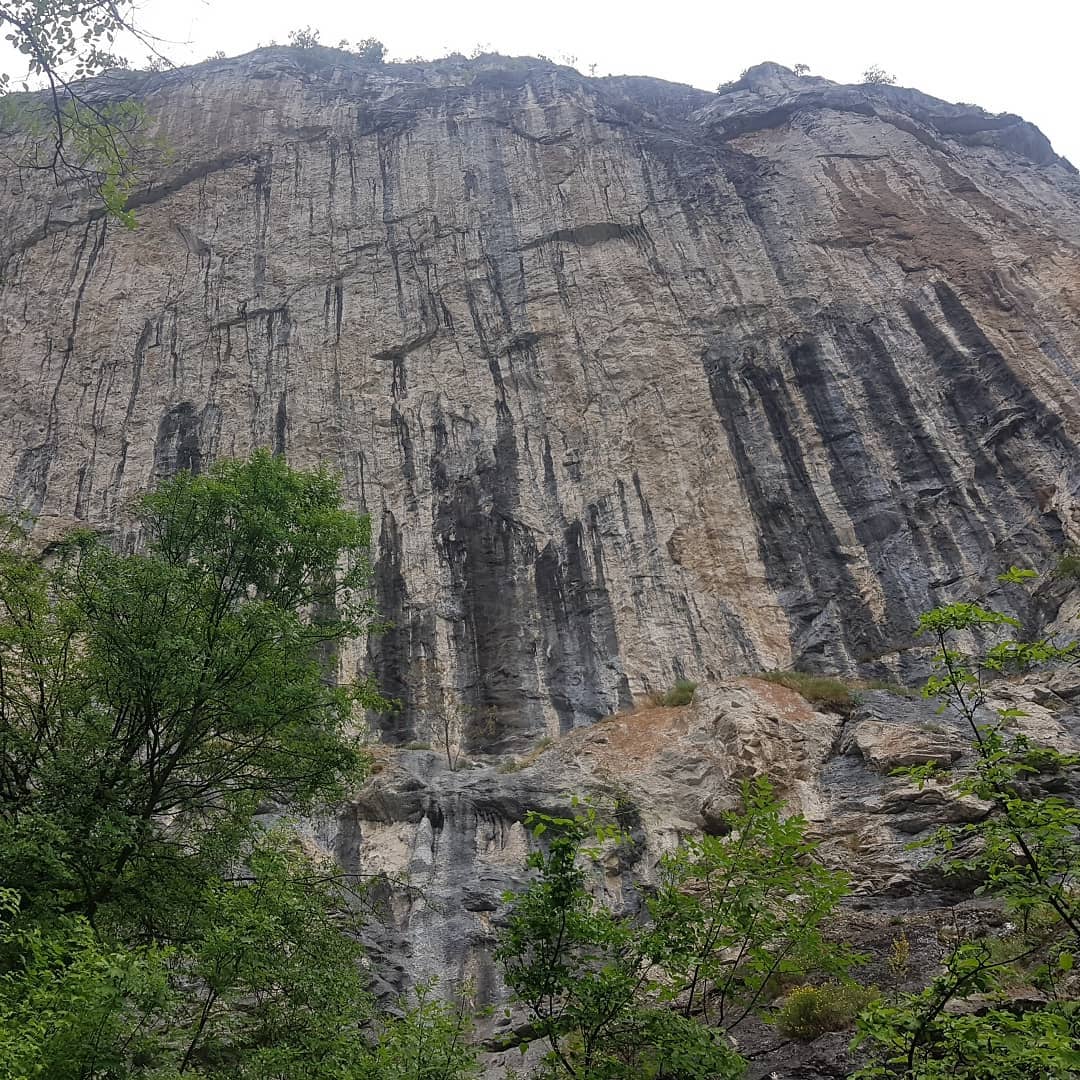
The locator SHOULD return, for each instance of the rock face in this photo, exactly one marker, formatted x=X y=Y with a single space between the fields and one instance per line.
x=636 y=381
x=457 y=837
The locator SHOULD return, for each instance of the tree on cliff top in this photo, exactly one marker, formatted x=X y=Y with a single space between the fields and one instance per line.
x=877 y=76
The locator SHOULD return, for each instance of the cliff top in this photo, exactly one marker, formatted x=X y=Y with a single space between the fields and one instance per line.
x=765 y=96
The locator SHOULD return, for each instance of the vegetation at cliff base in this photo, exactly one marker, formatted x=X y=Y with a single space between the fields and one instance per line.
x=165 y=712
x=169 y=706
x=653 y=991
x=1024 y=852
x=159 y=710
x=811 y=1011
x=656 y=992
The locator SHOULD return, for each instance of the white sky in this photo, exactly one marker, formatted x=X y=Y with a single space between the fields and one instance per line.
x=1005 y=56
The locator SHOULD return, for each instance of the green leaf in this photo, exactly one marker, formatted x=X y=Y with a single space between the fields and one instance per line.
x=1015 y=575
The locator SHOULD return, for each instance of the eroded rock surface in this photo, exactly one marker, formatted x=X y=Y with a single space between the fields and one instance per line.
x=637 y=381
x=457 y=835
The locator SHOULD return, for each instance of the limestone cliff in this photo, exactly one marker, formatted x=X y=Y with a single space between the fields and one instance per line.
x=637 y=381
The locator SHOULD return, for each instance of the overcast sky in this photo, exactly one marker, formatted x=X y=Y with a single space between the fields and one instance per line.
x=1005 y=56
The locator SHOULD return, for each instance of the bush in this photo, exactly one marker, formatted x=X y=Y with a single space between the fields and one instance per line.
x=875 y=76
x=371 y=50
x=1068 y=565
x=821 y=690
x=682 y=693
x=1023 y=852
x=810 y=1011
x=596 y=984
x=307 y=38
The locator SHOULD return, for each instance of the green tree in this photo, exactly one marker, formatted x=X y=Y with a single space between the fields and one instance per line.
x=67 y=132
x=736 y=913
x=246 y=976
x=187 y=683
x=424 y=1038
x=150 y=704
x=306 y=38
x=917 y=1037
x=616 y=997
x=1025 y=852
x=876 y=76
x=371 y=50
x=69 y=1003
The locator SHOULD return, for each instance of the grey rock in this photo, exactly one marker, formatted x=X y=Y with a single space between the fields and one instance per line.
x=890 y=746
x=637 y=382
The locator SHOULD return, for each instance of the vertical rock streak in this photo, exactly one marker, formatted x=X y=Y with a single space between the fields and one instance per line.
x=638 y=382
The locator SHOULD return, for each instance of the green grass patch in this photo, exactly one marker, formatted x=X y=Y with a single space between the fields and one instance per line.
x=1068 y=566
x=682 y=693
x=823 y=690
x=829 y=692
x=811 y=1011
x=517 y=764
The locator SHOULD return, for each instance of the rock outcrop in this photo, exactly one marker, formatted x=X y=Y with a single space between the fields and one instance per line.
x=456 y=837
x=636 y=381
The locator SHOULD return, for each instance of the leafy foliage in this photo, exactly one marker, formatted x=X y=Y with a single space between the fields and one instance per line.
x=70 y=134
x=429 y=1039
x=1068 y=566
x=916 y=1038
x=734 y=913
x=370 y=50
x=281 y=993
x=876 y=76
x=616 y=998
x=1025 y=852
x=150 y=704
x=67 y=1000
x=65 y=35
x=185 y=682
x=307 y=38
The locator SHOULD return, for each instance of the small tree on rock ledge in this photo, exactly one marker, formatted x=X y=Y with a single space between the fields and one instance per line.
x=876 y=76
